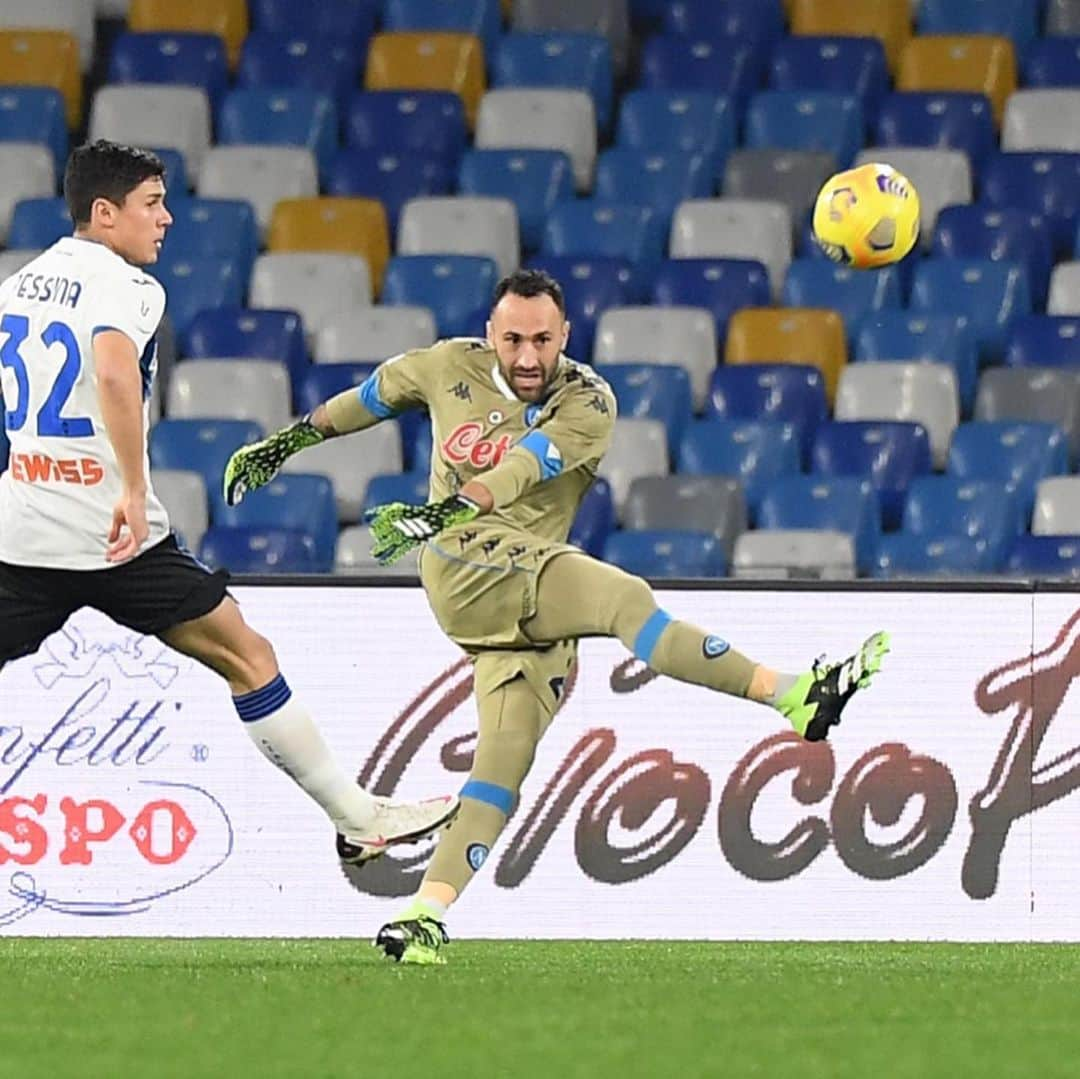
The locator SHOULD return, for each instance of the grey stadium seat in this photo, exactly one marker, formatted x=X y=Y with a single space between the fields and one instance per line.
x=793 y=177
x=263 y=175
x=15 y=259
x=354 y=557
x=183 y=494
x=1042 y=394
x=461 y=225
x=923 y=393
x=638 y=448
x=541 y=120
x=1063 y=17
x=321 y=286
x=26 y=172
x=735 y=228
x=611 y=18
x=351 y=462
x=681 y=336
x=942 y=178
x=373 y=334
x=142 y=114
x=714 y=504
x=1057 y=507
x=231 y=389
x=795 y=553
x=1064 y=297
x=1042 y=120
x=76 y=17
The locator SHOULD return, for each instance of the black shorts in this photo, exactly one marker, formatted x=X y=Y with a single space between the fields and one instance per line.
x=153 y=592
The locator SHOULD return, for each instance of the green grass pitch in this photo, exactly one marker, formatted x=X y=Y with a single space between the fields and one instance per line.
x=560 y=1010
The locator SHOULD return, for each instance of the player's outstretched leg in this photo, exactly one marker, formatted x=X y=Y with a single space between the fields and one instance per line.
x=579 y=596
x=286 y=735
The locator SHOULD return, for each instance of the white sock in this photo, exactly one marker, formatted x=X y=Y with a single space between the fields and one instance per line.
x=286 y=735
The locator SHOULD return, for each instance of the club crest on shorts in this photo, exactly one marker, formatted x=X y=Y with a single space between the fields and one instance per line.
x=713 y=646
x=476 y=854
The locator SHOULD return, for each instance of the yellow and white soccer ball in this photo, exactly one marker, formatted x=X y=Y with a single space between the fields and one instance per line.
x=867 y=217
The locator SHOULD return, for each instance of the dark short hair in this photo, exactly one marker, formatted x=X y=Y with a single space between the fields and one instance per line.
x=105 y=170
x=530 y=283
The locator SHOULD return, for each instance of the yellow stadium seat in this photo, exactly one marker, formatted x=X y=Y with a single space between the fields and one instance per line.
x=809 y=335
x=226 y=18
x=44 y=58
x=350 y=226
x=977 y=63
x=428 y=61
x=889 y=20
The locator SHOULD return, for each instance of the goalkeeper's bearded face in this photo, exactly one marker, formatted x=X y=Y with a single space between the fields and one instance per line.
x=528 y=333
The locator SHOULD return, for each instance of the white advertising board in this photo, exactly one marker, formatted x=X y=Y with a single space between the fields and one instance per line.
x=944 y=807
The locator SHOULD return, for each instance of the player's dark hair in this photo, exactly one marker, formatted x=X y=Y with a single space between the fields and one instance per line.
x=530 y=283
x=105 y=170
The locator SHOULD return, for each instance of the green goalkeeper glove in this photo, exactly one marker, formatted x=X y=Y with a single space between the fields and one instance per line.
x=254 y=466
x=397 y=528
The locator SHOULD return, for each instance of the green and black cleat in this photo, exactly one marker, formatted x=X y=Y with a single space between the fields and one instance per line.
x=417 y=939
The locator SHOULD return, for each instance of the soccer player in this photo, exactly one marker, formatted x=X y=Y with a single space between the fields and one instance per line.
x=520 y=429
x=80 y=524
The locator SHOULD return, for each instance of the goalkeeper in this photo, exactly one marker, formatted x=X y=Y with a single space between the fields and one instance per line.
x=519 y=431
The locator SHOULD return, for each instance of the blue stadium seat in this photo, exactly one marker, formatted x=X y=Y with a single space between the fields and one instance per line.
x=904 y=336
x=657 y=179
x=1044 y=341
x=213 y=227
x=261 y=550
x=781 y=392
x=420 y=121
x=39 y=223
x=984 y=510
x=839 y=503
x=806 y=120
x=202 y=446
x=1052 y=63
x=760 y=21
x=938 y=119
x=561 y=61
x=393 y=177
x=416 y=450
x=322 y=381
x=853 y=293
x=35 y=114
x=591 y=227
x=755 y=452
x=905 y=555
x=652 y=391
x=1044 y=183
x=454 y=287
x=890 y=455
x=342 y=20
x=666 y=553
x=590 y=286
x=294 y=500
x=684 y=121
x=408 y=487
x=535 y=180
x=846 y=65
x=990 y=295
x=726 y=66
x=1015 y=19
x=172 y=58
x=1045 y=556
x=722 y=286
x=291 y=116
x=482 y=18
x=595 y=519
x=249 y=333
x=198 y=283
x=1016 y=454
x=997 y=233
x=329 y=66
